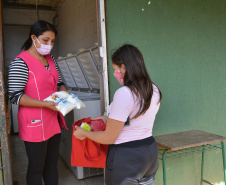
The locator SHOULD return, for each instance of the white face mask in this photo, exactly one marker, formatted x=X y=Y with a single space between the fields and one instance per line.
x=44 y=49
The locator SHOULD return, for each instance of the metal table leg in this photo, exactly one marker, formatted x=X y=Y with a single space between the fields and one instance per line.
x=223 y=157
x=202 y=166
x=164 y=166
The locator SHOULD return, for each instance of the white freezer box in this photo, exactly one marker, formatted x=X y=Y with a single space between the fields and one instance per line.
x=66 y=139
x=80 y=73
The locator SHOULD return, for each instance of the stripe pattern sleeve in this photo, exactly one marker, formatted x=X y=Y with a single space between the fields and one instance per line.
x=18 y=77
x=17 y=80
x=60 y=81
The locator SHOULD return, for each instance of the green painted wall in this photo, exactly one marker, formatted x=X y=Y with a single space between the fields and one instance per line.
x=184 y=46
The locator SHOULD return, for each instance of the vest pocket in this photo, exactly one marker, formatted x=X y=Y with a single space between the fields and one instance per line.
x=34 y=123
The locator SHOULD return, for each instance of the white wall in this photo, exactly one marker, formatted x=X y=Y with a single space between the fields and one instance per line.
x=17 y=23
x=14 y=38
x=26 y=16
x=77 y=26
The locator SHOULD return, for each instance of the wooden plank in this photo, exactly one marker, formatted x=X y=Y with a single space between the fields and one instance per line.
x=188 y=139
x=5 y=126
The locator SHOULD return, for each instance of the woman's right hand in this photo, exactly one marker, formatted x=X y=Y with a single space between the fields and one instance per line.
x=51 y=105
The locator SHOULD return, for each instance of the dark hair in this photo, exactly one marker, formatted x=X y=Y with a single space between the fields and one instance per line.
x=37 y=29
x=136 y=77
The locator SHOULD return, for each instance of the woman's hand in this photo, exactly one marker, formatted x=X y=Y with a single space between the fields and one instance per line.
x=51 y=105
x=62 y=88
x=79 y=133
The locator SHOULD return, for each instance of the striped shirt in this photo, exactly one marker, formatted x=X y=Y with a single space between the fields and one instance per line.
x=18 y=77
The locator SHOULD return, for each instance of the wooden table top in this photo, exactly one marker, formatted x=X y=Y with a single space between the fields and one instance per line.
x=188 y=139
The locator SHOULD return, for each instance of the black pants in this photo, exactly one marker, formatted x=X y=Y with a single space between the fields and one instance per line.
x=42 y=161
x=131 y=165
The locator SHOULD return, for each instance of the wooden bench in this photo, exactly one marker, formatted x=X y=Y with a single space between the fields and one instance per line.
x=189 y=142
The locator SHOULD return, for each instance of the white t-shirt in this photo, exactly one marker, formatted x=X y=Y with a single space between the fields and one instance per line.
x=124 y=106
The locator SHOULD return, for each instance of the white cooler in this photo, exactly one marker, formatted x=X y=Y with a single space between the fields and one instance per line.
x=80 y=74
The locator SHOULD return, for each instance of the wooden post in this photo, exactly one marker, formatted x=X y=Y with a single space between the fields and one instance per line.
x=5 y=128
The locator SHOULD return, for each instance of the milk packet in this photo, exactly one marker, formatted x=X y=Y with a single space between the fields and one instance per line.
x=72 y=98
x=63 y=105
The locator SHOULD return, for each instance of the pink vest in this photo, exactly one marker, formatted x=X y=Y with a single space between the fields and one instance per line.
x=38 y=124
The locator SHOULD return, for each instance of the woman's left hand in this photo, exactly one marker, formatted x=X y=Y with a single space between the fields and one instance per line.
x=79 y=133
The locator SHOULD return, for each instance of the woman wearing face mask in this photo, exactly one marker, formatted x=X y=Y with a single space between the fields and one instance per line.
x=33 y=76
x=133 y=154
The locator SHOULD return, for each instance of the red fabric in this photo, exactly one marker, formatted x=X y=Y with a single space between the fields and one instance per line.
x=97 y=125
x=87 y=153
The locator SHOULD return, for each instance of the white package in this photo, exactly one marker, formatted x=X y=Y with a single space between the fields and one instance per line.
x=63 y=105
x=72 y=98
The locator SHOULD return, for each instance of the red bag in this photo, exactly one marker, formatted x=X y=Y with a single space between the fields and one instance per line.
x=87 y=153
x=97 y=125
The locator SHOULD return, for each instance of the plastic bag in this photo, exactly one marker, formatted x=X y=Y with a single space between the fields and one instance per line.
x=87 y=153
x=92 y=125
x=97 y=125
x=63 y=105
x=72 y=98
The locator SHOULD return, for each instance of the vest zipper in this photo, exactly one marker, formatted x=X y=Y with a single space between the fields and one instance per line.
x=53 y=79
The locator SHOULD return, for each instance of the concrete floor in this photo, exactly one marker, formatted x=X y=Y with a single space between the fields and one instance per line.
x=66 y=177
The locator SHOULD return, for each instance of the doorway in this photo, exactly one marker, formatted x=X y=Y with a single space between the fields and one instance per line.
x=79 y=30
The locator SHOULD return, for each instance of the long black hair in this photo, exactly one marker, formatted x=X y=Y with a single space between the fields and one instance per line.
x=136 y=76
x=37 y=29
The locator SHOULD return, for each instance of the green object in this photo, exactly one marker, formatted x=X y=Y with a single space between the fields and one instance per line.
x=85 y=126
x=202 y=166
x=194 y=150
x=183 y=45
x=164 y=166
x=224 y=162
